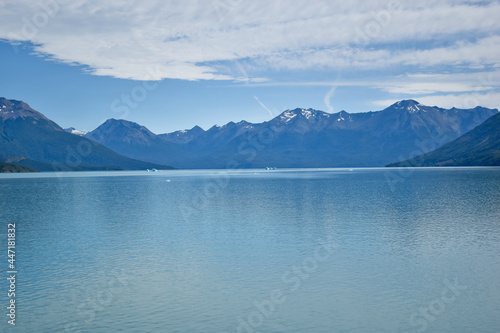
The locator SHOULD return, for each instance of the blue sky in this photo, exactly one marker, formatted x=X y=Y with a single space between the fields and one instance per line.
x=171 y=65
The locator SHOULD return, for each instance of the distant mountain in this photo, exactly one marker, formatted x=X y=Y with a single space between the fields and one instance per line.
x=311 y=138
x=73 y=130
x=183 y=136
x=478 y=147
x=133 y=140
x=11 y=167
x=31 y=139
x=300 y=138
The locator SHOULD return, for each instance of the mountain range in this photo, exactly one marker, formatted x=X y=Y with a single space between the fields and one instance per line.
x=480 y=146
x=30 y=139
x=298 y=138
x=295 y=138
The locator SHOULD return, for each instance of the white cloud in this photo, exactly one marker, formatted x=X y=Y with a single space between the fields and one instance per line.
x=215 y=39
x=422 y=84
x=432 y=87
x=417 y=83
x=461 y=90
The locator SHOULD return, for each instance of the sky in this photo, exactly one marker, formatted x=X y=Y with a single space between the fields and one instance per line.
x=171 y=64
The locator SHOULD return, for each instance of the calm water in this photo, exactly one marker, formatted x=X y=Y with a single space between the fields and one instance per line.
x=331 y=250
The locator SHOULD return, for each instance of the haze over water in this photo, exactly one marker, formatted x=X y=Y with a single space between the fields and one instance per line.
x=313 y=250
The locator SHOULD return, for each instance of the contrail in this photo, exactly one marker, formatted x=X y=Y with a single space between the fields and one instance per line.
x=328 y=96
x=265 y=107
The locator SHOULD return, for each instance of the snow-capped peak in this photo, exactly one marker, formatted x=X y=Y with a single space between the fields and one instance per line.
x=409 y=105
x=307 y=113
x=413 y=108
x=341 y=117
x=73 y=130
x=288 y=115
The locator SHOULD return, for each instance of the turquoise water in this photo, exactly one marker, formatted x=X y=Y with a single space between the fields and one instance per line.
x=326 y=250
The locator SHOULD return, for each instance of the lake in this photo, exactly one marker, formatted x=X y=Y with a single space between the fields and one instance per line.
x=295 y=250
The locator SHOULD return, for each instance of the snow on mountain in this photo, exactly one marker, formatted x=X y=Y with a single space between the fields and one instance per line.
x=307 y=113
x=73 y=130
x=182 y=136
x=307 y=138
x=288 y=115
x=409 y=105
x=41 y=144
x=13 y=109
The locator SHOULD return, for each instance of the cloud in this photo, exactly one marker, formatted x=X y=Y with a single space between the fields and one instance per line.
x=418 y=83
x=425 y=88
x=423 y=84
x=264 y=106
x=462 y=90
x=328 y=97
x=256 y=40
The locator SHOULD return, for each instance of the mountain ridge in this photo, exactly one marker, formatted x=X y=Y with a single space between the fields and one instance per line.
x=478 y=147
x=31 y=139
x=308 y=138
